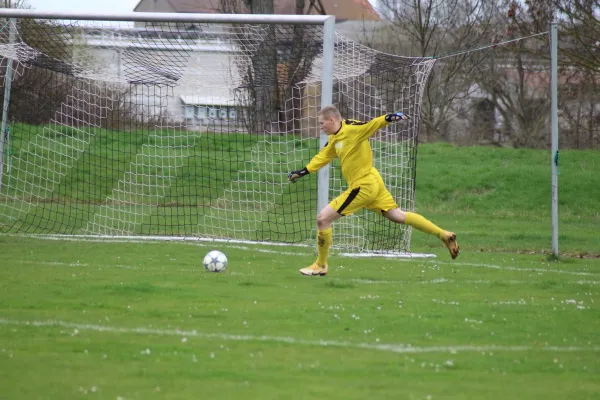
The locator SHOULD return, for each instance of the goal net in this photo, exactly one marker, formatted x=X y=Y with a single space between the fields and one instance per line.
x=188 y=129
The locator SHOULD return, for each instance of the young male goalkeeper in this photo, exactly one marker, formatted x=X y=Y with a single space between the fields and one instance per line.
x=349 y=140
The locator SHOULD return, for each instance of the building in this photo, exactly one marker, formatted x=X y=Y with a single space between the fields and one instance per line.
x=344 y=10
x=203 y=104
x=189 y=74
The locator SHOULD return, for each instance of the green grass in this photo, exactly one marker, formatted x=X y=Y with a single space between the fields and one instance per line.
x=144 y=321
x=192 y=183
x=110 y=320
x=72 y=181
x=504 y=181
x=499 y=199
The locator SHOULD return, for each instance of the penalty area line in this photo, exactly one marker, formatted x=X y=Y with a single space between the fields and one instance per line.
x=206 y=241
x=519 y=269
x=387 y=347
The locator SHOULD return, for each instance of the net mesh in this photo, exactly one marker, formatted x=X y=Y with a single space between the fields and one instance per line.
x=117 y=128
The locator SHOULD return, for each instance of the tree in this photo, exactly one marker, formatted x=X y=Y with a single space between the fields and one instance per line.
x=579 y=22
x=263 y=76
x=435 y=28
x=13 y=4
x=36 y=84
x=518 y=89
x=277 y=60
x=579 y=62
x=47 y=83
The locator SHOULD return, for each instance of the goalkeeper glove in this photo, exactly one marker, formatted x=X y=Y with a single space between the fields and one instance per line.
x=295 y=175
x=397 y=116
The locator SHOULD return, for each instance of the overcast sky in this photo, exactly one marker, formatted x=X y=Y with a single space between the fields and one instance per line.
x=104 y=6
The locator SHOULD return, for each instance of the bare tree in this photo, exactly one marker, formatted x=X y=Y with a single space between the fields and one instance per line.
x=579 y=22
x=40 y=84
x=47 y=85
x=518 y=89
x=259 y=75
x=436 y=28
x=263 y=76
x=579 y=99
x=14 y=4
x=301 y=48
x=279 y=59
x=579 y=62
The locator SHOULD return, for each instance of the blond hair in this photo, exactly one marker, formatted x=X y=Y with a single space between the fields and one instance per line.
x=330 y=112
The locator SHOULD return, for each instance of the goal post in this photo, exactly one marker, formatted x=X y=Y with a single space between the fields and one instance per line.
x=326 y=99
x=186 y=125
x=8 y=74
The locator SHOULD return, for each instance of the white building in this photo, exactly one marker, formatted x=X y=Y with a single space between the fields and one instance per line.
x=194 y=68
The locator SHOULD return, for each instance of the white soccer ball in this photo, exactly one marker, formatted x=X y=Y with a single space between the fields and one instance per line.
x=215 y=261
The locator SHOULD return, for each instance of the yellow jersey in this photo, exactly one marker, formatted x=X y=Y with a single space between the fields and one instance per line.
x=351 y=145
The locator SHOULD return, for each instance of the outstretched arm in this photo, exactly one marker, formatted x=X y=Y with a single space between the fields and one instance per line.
x=322 y=158
x=366 y=130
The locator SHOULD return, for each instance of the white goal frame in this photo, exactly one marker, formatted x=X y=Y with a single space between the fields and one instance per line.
x=329 y=45
x=327 y=21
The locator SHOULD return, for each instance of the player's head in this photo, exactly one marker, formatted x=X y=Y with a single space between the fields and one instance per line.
x=330 y=120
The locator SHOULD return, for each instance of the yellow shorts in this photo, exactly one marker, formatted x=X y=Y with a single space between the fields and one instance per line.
x=371 y=194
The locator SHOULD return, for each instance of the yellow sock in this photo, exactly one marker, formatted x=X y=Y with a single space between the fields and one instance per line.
x=423 y=224
x=324 y=239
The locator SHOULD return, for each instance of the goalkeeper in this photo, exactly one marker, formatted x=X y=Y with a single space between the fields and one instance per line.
x=349 y=140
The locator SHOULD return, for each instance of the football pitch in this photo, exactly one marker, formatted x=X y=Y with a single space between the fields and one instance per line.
x=143 y=320
x=117 y=319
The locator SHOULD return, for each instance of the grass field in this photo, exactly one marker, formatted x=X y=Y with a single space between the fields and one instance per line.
x=113 y=319
x=144 y=321
x=70 y=181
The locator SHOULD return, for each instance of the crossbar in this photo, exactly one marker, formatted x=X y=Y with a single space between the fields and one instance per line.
x=169 y=17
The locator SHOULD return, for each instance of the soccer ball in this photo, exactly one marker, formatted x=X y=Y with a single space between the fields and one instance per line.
x=215 y=261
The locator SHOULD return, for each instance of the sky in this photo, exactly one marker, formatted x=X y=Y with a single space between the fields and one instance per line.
x=102 y=6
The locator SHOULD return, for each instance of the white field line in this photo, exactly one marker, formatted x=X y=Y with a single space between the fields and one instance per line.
x=466 y=281
x=389 y=347
x=231 y=244
x=395 y=256
x=151 y=239
x=351 y=280
x=198 y=240
x=189 y=241
x=459 y=264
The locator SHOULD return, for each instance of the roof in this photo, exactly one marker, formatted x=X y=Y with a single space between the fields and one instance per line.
x=342 y=9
